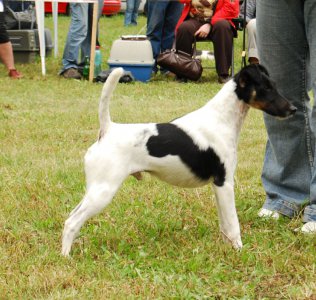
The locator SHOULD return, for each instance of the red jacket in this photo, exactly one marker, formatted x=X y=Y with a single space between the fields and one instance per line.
x=225 y=9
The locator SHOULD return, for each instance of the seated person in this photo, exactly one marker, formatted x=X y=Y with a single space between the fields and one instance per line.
x=6 y=51
x=209 y=19
x=19 y=5
x=253 y=57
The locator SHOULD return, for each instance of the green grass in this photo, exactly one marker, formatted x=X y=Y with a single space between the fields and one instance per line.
x=153 y=241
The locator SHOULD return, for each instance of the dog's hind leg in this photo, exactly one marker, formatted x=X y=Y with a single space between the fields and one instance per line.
x=97 y=197
x=229 y=225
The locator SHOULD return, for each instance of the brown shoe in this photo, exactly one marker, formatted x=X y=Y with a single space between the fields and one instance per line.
x=223 y=79
x=253 y=60
x=71 y=73
x=14 y=74
x=168 y=74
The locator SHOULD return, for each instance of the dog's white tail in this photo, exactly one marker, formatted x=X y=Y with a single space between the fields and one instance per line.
x=104 y=106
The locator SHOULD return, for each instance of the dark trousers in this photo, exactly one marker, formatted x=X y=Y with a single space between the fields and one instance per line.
x=222 y=34
x=4 y=37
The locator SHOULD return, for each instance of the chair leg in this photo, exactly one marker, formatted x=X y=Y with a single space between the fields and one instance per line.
x=233 y=67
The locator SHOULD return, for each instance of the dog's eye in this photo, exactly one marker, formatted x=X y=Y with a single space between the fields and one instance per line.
x=268 y=87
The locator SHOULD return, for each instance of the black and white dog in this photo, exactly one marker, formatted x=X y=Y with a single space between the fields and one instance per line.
x=191 y=151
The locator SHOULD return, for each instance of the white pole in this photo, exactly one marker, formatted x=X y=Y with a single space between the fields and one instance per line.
x=55 y=18
x=39 y=6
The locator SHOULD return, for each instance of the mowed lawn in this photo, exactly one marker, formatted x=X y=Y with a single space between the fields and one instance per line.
x=153 y=241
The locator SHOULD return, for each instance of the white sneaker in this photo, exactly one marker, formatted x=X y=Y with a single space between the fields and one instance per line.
x=266 y=213
x=206 y=55
x=309 y=227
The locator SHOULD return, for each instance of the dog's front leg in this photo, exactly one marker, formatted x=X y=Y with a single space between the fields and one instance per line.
x=229 y=224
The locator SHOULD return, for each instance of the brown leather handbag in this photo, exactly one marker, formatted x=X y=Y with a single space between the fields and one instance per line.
x=181 y=63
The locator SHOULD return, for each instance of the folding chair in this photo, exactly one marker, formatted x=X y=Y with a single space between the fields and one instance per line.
x=240 y=24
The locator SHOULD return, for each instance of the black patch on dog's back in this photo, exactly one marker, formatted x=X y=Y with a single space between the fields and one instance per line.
x=171 y=140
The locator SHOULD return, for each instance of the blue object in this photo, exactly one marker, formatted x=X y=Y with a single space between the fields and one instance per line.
x=141 y=72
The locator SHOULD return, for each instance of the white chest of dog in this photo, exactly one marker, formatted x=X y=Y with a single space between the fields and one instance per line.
x=196 y=149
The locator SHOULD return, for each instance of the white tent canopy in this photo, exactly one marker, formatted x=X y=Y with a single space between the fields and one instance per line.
x=40 y=16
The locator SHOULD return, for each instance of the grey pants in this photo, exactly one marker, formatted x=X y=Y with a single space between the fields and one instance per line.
x=286 y=38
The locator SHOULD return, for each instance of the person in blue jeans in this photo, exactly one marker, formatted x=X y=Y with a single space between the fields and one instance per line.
x=131 y=12
x=287 y=47
x=162 y=18
x=78 y=39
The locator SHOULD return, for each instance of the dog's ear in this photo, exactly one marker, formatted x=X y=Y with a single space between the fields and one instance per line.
x=242 y=80
x=263 y=69
x=244 y=76
x=246 y=80
x=250 y=74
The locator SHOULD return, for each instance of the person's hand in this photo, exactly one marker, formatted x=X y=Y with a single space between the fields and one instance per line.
x=203 y=31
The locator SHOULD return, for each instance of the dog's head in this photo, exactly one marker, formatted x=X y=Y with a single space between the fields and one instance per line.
x=255 y=88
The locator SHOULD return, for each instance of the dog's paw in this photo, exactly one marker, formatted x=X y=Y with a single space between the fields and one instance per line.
x=234 y=240
x=65 y=251
x=66 y=246
x=237 y=244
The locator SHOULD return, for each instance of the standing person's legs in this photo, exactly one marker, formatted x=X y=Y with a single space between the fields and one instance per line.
x=289 y=156
x=155 y=24
x=76 y=35
x=222 y=35
x=172 y=16
x=135 y=12
x=86 y=43
x=252 y=42
x=129 y=12
x=310 y=25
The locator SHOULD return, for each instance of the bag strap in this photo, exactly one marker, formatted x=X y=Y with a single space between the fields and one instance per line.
x=194 y=47
x=173 y=48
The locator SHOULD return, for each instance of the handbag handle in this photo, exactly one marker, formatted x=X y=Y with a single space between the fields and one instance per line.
x=194 y=47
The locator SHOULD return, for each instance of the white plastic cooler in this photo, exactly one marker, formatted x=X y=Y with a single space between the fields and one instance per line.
x=133 y=53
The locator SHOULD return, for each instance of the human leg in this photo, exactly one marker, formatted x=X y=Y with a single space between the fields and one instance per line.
x=155 y=21
x=6 y=55
x=222 y=35
x=77 y=33
x=129 y=12
x=252 y=42
x=288 y=162
x=172 y=15
x=185 y=35
x=86 y=43
x=135 y=12
x=310 y=25
x=6 y=51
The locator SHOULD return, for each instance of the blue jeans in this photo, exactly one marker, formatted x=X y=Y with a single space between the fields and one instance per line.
x=162 y=18
x=287 y=47
x=131 y=12
x=79 y=35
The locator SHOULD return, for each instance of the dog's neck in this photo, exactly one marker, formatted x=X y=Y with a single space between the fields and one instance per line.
x=231 y=109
